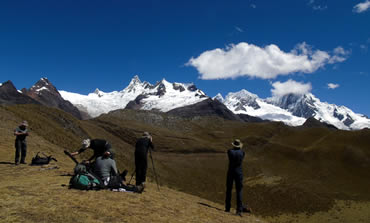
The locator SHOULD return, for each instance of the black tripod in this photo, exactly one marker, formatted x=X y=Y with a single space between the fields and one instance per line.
x=155 y=174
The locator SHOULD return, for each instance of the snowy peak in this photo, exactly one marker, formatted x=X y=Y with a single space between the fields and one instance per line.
x=294 y=109
x=298 y=105
x=98 y=92
x=162 y=96
x=219 y=98
x=165 y=96
x=43 y=85
x=242 y=100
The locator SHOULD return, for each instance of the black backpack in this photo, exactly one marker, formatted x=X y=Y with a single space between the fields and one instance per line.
x=38 y=160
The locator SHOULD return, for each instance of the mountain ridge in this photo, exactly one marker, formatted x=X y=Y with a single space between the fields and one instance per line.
x=164 y=96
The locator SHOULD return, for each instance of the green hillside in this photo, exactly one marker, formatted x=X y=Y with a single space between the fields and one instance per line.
x=290 y=173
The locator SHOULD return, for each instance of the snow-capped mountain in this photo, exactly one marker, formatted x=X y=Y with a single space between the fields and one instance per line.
x=294 y=109
x=244 y=102
x=163 y=96
x=308 y=105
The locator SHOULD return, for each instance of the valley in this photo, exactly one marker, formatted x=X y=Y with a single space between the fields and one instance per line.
x=288 y=171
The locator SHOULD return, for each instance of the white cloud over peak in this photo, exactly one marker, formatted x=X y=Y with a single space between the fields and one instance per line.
x=333 y=86
x=362 y=7
x=290 y=87
x=267 y=62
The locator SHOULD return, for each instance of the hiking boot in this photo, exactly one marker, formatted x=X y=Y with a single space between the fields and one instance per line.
x=239 y=213
x=139 y=189
x=16 y=163
x=227 y=209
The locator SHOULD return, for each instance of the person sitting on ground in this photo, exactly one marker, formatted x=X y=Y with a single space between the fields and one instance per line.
x=143 y=145
x=21 y=132
x=105 y=168
x=100 y=146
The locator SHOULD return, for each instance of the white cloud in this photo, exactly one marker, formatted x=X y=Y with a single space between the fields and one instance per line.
x=266 y=62
x=362 y=7
x=290 y=87
x=339 y=55
x=333 y=86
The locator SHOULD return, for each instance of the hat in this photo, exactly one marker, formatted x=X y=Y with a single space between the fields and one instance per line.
x=146 y=135
x=86 y=143
x=237 y=143
x=24 y=123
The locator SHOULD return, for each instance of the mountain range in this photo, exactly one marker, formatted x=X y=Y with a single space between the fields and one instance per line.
x=164 y=96
x=187 y=100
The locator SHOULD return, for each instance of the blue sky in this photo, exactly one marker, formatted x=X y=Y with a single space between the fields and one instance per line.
x=266 y=47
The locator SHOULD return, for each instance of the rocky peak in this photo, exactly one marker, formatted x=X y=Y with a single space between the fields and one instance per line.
x=178 y=87
x=192 y=87
x=298 y=105
x=41 y=86
x=243 y=98
x=219 y=98
x=8 y=86
x=135 y=84
x=10 y=95
x=46 y=94
x=311 y=122
x=98 y=92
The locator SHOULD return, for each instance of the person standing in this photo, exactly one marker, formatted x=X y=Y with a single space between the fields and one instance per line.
x=21 y=133
x=235 y=173
x=143 y=145
x=99 y=146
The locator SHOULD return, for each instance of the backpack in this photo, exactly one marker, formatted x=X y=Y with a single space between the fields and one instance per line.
x=38 y=160
x=84 y=180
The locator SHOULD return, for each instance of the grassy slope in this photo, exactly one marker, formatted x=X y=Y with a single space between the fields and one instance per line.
x=38 y=194
x=288 y=171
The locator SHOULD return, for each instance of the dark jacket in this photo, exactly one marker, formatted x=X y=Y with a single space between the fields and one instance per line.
x=142 y=146
x=100 y=146
x=236 y=157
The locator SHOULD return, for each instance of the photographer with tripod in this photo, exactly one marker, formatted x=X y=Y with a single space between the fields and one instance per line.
x=143 y=145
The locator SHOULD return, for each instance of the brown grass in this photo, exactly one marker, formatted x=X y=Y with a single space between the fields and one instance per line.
x=289 y=172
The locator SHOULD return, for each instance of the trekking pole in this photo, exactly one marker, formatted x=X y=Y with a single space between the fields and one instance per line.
x=155 y=174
